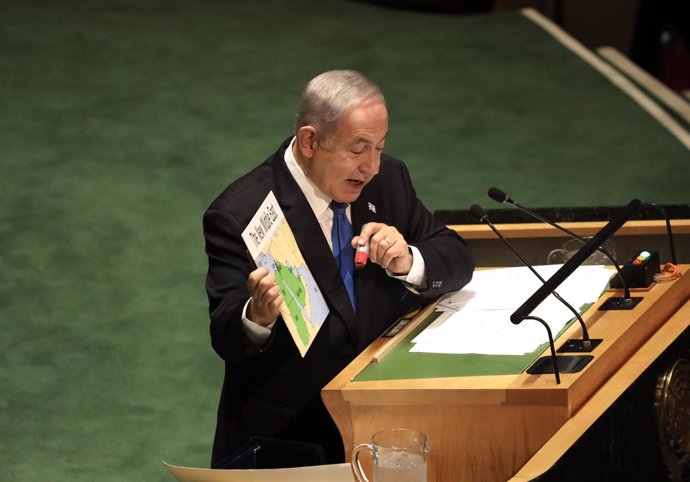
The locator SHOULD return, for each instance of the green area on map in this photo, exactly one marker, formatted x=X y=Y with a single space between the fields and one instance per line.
x=294 y=293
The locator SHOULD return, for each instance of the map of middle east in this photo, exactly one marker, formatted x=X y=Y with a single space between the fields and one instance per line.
x=272 y=245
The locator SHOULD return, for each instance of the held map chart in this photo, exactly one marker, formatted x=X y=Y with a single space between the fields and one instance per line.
x=272 y=245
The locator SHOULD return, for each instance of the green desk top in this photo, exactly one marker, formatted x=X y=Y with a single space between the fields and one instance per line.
x=400 y=364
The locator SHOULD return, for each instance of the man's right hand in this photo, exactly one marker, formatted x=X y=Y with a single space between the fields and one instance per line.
x=264 y=306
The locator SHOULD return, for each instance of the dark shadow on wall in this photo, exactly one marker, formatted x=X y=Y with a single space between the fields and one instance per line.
x=661 y=44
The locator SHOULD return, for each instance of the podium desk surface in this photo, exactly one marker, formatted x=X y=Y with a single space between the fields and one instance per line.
x=400 y=363
x=487 y=427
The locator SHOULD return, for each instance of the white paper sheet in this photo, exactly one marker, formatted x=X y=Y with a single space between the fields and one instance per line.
x=477 y=318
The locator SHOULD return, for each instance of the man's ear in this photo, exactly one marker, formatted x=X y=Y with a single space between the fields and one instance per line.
x=306 y=141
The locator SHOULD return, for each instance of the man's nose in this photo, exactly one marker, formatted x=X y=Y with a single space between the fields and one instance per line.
x=370 y=164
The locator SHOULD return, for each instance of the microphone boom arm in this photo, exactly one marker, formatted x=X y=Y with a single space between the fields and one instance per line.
x=573 y=263
x=626 y=290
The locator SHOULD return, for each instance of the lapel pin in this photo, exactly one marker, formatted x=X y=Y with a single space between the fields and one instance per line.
x=372 y=208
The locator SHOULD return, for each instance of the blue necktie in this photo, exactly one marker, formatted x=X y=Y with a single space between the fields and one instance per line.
x=341 y=235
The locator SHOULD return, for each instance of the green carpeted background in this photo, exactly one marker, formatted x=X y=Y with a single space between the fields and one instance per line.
x=121 y=120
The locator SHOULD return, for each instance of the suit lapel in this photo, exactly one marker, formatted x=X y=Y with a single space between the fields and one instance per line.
x=315 y=249
x=363 y=211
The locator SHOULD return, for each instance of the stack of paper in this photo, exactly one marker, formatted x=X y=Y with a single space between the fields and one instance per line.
x=477 y=318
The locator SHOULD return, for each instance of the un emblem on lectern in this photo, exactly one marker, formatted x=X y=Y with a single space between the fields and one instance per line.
x=672 y=406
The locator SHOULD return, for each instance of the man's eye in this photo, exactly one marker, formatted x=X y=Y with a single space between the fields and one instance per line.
x=355 y=152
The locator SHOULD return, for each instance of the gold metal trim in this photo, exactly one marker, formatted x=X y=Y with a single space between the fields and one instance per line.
x=672 y=408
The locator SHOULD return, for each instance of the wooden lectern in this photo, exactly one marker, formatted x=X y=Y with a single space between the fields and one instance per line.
x=508 y=427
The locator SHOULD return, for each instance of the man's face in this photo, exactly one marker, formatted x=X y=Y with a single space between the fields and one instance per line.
x=343 y=164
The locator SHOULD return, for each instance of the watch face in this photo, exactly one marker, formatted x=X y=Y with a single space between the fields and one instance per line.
x=672 y=406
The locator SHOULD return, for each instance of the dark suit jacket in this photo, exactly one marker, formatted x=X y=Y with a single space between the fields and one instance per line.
x=271 y=390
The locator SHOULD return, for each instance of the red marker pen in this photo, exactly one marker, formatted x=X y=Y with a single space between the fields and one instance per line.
x=361 y=255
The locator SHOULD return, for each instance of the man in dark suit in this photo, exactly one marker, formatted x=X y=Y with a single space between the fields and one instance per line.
x=335 y=155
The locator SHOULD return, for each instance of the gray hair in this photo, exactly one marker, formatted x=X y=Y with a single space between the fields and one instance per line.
x=327 y=96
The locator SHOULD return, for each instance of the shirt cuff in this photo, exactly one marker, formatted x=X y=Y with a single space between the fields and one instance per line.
x=256 y=333
x=415 y=279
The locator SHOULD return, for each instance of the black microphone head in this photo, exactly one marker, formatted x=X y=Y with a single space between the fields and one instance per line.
x=499 y=196
x=478 y=212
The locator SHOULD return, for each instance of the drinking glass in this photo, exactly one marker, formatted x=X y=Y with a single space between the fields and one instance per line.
x=398 y=455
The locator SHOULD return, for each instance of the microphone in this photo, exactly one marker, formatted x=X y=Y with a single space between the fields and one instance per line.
x=500 y=196
x=573 y=263
x=571 y=363
x=584 y=345
x=669 y=234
